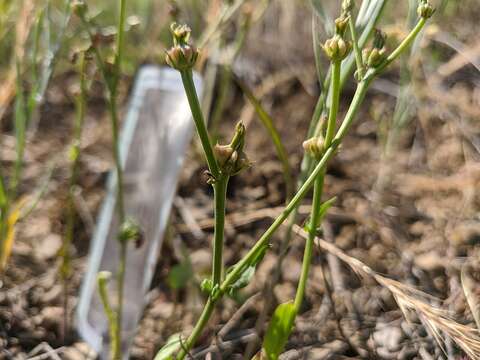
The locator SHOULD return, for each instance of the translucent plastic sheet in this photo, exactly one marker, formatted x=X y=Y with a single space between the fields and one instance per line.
x=154 y=139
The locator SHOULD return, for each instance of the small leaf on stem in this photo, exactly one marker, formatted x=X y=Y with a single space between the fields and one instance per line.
x=279 y=330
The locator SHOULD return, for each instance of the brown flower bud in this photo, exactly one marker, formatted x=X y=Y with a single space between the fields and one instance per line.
x=337 y=48
x=341 y=25
x=231 y=158
x=242 y=163
x=373 y=57
x=314 y=146
x=130 y=231
x=379 y=39
x=222 y=153
x=182 y=57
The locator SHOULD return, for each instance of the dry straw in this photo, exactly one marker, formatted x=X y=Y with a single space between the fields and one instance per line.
x=436 y=320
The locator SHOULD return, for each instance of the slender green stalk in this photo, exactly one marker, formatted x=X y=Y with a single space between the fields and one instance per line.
x=102 y=280
x=220 y=194
x=119 y=168
x=187 y=79
x=400 y=49
x=335 y=101
x=356 y=48
x=113 y=108
x=307 y=256
x=122 y=265
x=198 y=329
x=120 y=46
x=318 y=186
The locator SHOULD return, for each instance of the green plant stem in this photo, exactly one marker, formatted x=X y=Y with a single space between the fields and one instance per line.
x=118 y=163
x=318 y=186
x=356 y=48
x=335 y=101
x=198 y=329
x=113 y=324
x=120 y=46
x=220 y=195
x=307 y=256
x=121 y=217
x=188 y=84
x=122 y=265
x=400 y=48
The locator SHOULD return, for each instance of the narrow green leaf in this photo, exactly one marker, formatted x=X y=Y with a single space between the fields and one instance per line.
x=279 y=330
x=20 y=124
x=325 y=207
x=173 y=344
x=242 y=281
x=323 y=15
x=267 y=122
x=247 y=274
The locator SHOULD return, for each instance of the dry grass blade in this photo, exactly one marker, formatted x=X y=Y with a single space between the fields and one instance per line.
x=436 y=320
x=471 y=292
x=22 y=28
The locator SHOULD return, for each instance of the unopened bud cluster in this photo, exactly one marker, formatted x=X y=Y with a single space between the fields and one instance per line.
x=374 y=56
x=425 y=9
x=341 y=25
x=182 y=56
x=130 y=231
x=231 y=158
x=337 y=48
x=314 y=146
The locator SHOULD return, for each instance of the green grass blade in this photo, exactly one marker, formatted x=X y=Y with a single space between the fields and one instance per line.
x=323 y=15
x=272 y=131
